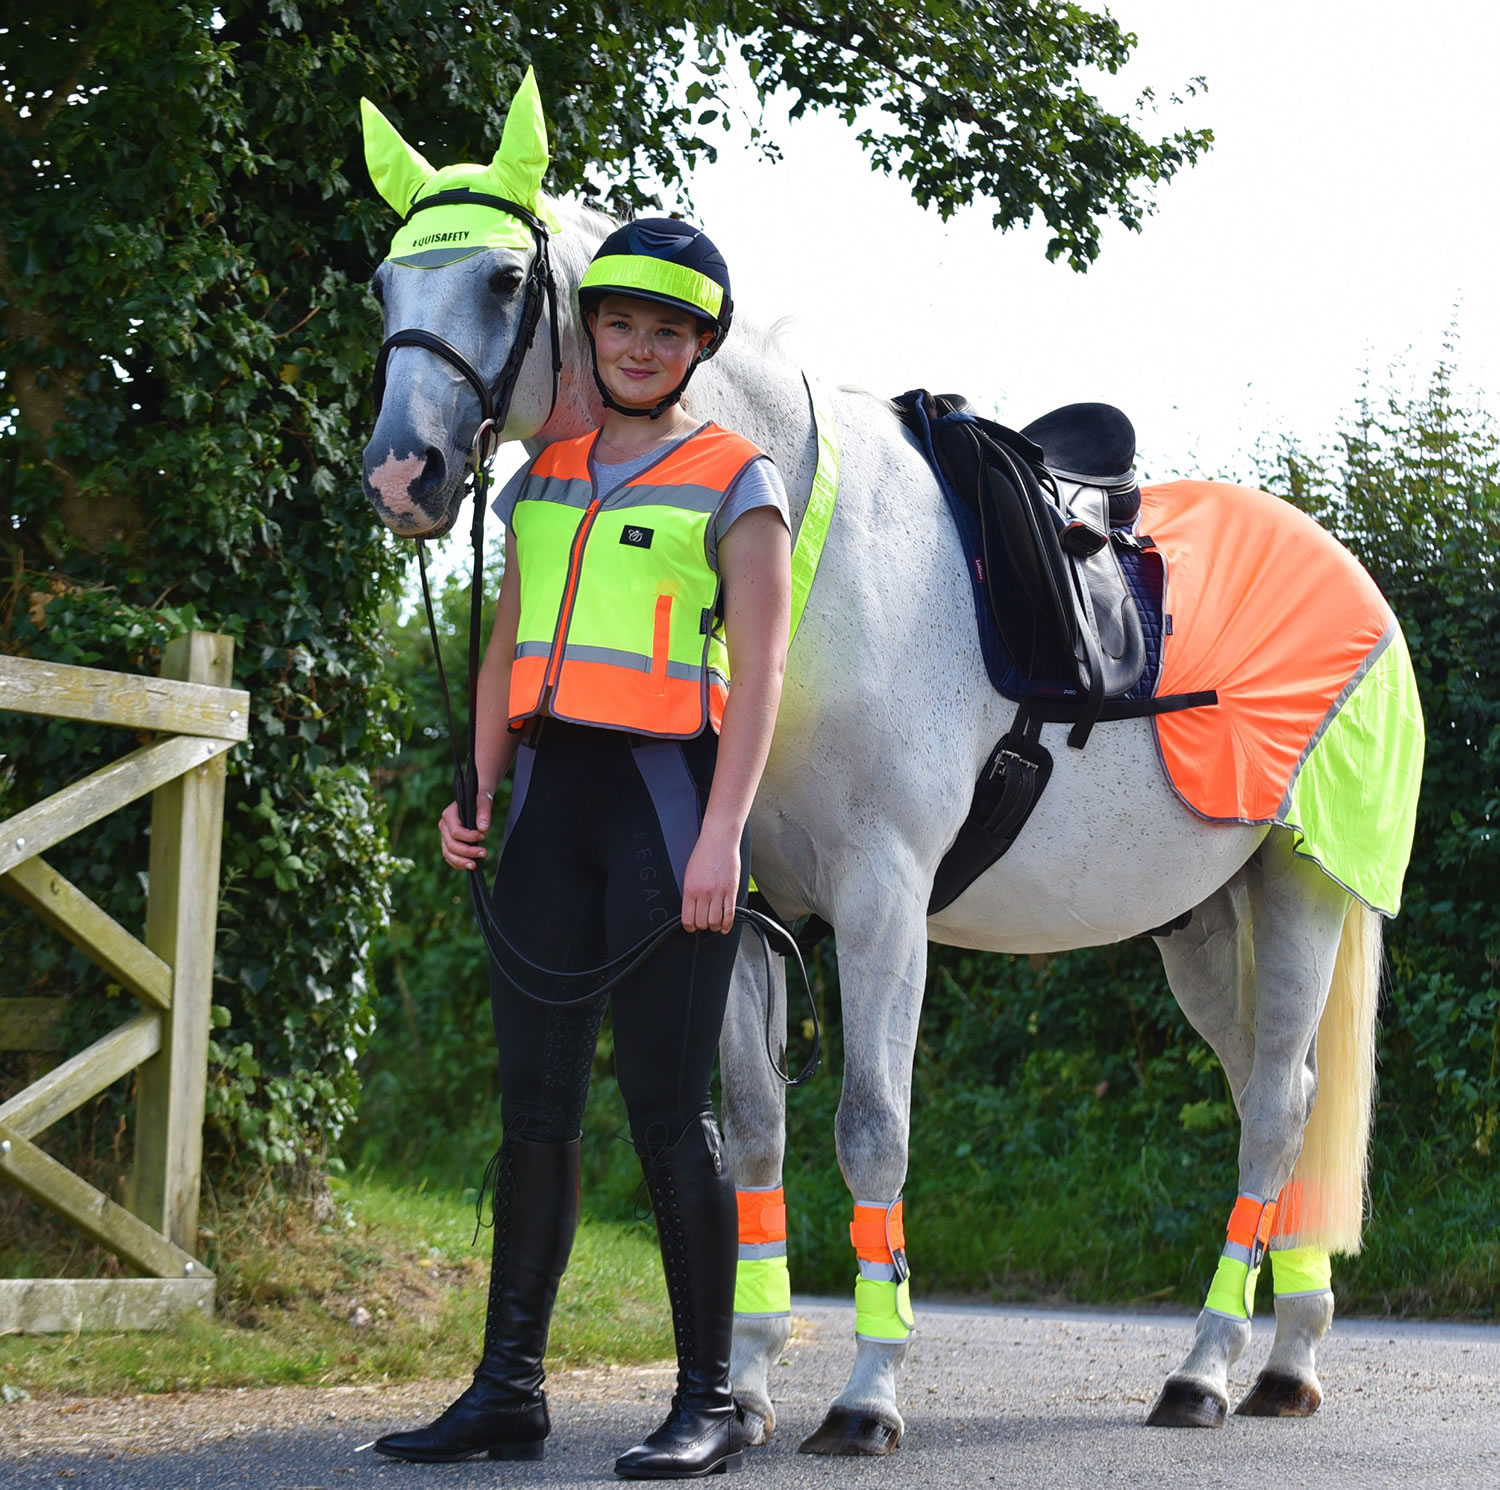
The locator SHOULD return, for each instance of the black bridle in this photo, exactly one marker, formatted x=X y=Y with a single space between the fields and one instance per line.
x=494 y=409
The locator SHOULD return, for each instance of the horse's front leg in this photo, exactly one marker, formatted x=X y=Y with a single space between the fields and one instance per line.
x=882 y=969
x=754 y=1104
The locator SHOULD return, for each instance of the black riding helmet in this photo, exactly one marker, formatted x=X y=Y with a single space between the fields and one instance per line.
x=668 y=261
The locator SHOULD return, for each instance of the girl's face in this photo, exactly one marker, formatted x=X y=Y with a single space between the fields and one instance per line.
x=644 y=349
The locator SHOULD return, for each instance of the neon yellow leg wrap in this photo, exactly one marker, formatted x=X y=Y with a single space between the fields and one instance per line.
x=882 y=1311
x=1301 y=1270
x=762 y=1285
x=1233 y=1290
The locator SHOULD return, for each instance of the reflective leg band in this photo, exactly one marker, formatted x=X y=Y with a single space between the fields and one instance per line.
x=1300 y=1270
x=1232 y=1293
x=762 y=1284
x=882 y=1293
x=882 y=1311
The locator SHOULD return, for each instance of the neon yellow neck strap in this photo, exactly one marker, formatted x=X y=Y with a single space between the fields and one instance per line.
x=816 y=521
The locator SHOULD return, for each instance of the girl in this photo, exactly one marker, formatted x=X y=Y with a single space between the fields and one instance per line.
x=645 y=564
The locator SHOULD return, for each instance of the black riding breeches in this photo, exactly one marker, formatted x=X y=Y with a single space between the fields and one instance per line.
x=600 y=830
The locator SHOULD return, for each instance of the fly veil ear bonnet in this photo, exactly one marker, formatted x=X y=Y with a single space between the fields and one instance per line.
x=457 y=211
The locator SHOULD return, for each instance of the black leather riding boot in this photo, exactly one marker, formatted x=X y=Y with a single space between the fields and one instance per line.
x=698 y=1226
x=504 y=1413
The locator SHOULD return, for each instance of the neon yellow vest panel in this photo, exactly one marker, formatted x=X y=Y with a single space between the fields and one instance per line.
x=618 y=599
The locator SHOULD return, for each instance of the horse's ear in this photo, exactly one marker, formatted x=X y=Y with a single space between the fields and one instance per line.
x=397 y=170
x=521 y=161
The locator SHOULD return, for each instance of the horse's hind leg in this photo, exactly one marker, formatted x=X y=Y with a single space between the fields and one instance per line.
x=754 y=1104
x=1252 y=972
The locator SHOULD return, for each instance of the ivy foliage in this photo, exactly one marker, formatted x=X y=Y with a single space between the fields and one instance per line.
x=185 y=236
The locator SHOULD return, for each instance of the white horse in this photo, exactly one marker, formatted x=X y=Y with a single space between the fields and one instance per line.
x=887 y=717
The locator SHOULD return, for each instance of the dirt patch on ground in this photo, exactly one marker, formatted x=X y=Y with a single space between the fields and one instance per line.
x=190 y=1420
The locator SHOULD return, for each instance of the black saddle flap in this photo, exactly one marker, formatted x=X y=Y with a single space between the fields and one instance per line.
x=1025 y=567
x=1053 y=583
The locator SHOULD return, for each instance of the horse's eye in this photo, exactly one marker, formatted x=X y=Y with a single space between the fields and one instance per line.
x=378 y=291
x=505 y=282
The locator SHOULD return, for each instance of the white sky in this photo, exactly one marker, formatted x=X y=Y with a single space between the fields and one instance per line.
x=1344 y=218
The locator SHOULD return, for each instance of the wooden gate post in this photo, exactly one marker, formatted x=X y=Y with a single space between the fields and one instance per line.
x=181 y=915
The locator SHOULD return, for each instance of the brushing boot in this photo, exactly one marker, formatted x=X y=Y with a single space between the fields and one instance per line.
x=697 y=1223
x=504 y=1413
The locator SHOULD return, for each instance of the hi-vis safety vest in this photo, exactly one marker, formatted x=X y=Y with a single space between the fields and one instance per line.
x=618 y=598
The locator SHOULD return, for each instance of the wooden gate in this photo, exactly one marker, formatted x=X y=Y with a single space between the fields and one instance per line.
x=197 y=718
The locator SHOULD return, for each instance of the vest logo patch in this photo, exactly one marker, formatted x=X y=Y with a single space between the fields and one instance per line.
x=638 y=537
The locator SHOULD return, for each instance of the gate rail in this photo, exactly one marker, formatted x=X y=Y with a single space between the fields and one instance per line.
x=198 y=718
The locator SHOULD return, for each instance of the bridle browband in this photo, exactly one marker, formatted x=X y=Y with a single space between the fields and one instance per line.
x=494 y=408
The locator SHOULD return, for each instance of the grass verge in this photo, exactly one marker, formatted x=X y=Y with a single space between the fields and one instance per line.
x=374 y=1284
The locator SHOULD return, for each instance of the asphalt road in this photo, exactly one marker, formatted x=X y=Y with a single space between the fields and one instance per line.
x=1003 y=1397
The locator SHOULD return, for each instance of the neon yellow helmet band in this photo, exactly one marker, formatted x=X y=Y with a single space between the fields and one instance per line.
x=628 y=274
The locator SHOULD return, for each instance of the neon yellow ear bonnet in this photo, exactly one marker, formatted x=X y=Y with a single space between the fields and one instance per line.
x=458 y=230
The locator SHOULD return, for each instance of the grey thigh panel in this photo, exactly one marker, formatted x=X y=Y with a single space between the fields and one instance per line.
x=520 y=783
x=674 y=795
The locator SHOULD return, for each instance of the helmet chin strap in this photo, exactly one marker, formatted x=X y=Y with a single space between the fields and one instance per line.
x=611 y=403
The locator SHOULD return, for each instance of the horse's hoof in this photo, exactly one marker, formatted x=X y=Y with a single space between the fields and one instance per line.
x=1278 y=1396
x=845 y=1431
x=754 y=1429
x=1187 y=1404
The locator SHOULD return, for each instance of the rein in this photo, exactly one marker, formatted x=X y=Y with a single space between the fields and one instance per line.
x=494 y=406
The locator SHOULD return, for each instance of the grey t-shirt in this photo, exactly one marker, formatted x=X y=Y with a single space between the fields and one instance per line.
x=758 y=485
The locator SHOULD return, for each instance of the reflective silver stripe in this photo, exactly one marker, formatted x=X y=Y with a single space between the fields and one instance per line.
x=758 y=1189
x=564 y=490
x=879 y=1272
x=755 y=1251
x=437 y=258
x=635 y=661
x=1237 y=1252
x=1307 y=1293
x=572 y=492
x=651 y=494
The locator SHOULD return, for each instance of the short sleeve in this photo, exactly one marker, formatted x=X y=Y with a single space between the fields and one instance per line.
x=758 y=485
x=505 y=501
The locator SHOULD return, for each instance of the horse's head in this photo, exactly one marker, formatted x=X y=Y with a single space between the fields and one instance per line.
x=469 y=322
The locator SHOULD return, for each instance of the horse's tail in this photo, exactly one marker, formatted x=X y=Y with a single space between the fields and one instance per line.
x=1335 y=1148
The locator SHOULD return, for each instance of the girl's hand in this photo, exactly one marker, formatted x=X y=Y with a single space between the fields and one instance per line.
x=710 y=883
x=463 y=847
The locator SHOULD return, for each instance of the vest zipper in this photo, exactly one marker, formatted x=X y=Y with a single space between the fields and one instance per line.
x=565 y=610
